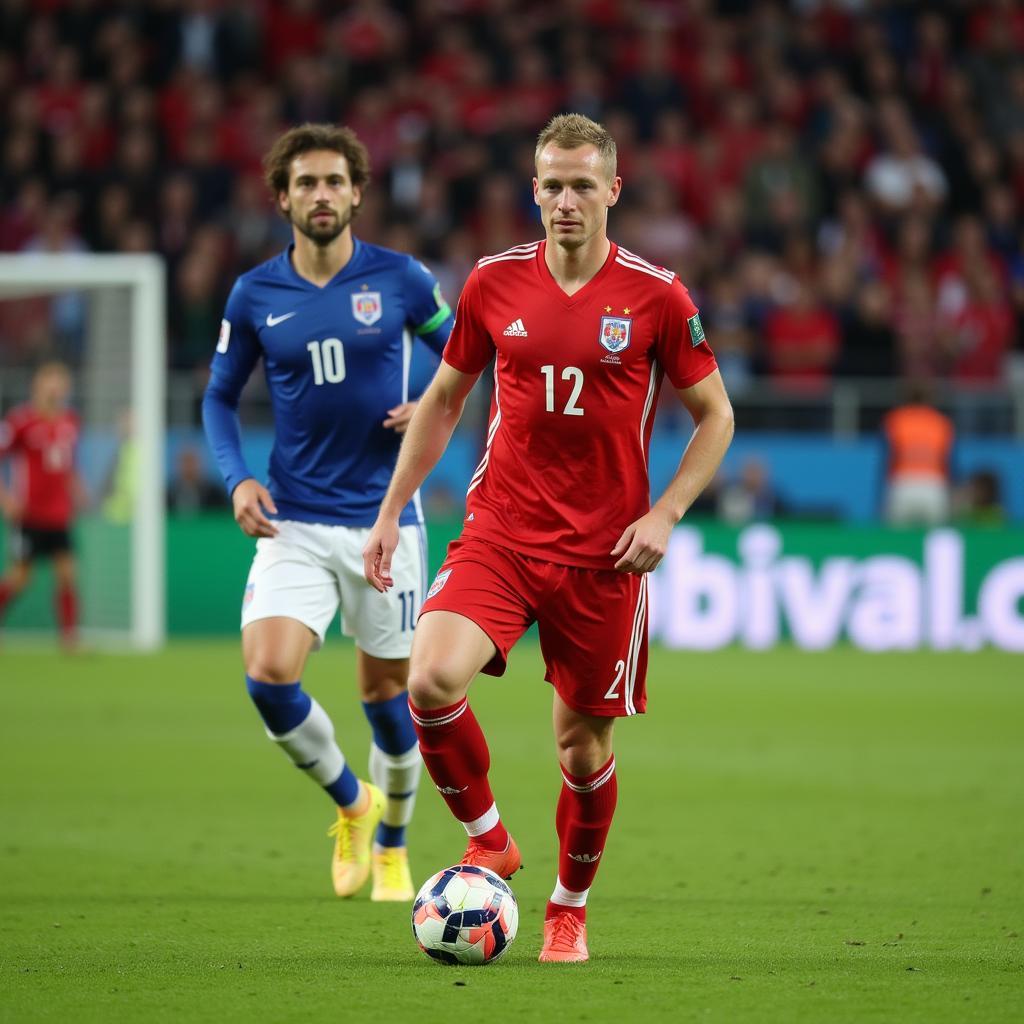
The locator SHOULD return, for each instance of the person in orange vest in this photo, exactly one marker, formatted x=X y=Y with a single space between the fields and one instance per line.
x=920 y=440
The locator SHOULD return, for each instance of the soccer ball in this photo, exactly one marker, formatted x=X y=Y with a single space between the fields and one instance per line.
x=465 y=915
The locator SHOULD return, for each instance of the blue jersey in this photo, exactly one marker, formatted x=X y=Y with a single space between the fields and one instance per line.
x=336 y=359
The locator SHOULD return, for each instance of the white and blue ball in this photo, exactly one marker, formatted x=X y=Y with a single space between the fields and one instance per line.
x=465 y=915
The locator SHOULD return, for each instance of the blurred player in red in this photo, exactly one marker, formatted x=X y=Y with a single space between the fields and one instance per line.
x=40 y=439
x=559 y=526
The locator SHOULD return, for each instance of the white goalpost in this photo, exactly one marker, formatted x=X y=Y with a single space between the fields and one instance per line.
x=120 y=373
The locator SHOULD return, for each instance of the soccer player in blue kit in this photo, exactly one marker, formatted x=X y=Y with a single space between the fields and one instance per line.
x=333 y=319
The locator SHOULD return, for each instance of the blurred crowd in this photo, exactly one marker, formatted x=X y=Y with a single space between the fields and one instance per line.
x=839 y=182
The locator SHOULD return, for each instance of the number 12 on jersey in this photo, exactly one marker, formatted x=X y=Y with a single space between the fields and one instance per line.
x=573 y=373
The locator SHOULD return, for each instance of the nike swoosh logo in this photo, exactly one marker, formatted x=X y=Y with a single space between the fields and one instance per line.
x=273 y=321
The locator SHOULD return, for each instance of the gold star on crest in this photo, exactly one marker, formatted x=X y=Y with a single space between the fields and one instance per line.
x=626 y=310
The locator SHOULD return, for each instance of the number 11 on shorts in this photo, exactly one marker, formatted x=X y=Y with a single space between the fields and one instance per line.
x=408 y=599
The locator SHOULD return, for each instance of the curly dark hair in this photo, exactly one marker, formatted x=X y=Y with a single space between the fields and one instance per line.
x=305 y=138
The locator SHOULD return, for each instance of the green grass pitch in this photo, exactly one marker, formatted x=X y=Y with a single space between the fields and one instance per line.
x=831 y=837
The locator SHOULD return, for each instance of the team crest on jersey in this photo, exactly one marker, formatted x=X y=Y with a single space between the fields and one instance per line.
x=615 y=331
x=439 y=581
x=367 y=307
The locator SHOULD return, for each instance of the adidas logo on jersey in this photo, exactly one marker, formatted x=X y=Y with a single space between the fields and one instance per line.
x=586 y=858
x=515 y=330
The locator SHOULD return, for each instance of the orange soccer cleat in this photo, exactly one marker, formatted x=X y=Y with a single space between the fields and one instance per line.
x=504 y=864
x=565 y=940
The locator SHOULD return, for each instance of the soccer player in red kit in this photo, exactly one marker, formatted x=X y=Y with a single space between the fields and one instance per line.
x=559 y=527
x=40 y=438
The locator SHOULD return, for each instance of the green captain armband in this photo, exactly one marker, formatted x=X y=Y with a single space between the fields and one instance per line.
x=435 y=321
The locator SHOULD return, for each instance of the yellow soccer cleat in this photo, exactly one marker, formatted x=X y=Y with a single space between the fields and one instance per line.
x=353 y=837
x=392 y=882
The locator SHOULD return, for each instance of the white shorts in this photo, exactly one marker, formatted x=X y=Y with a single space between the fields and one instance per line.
x=920 y=501
x=309 y=569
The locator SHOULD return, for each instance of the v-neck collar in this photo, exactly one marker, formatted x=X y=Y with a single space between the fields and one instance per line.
x=553 y=286
x=353 y=264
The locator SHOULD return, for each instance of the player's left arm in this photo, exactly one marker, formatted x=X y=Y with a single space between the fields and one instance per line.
x=430 y=319
x=644 y=542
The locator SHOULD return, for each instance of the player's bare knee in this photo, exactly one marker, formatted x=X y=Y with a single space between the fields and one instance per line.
x=583 y=749
x=426 y=690
x=435 y=684
x=373 y=691
x=381 y=679
x=264 y=667
x=584 y=759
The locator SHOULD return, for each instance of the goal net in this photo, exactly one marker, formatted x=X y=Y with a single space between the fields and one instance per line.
x=104 y=316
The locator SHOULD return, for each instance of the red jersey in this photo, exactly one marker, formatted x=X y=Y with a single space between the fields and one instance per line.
x=985 y=333
x=44 y=468
x=802 y=345
x=575 y=386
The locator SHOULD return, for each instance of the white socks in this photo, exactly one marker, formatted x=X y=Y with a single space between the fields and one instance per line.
x=397 y=776
x=312 y=747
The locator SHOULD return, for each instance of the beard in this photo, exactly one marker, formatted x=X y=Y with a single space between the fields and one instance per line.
x=322 y=234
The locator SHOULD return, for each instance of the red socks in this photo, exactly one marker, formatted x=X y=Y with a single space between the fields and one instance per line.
x=584 y=816
x=455 y=752
x=65 y=604
x=67 y=612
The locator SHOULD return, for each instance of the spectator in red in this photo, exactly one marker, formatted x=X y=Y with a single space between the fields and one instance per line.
x=969 y=253
x=654 y=86
x=802 y=340
x=983 y=330
x=930 y=63
x=912 y=257
x=60 y=96
x=294 y=29
x=370 y=36
x=920 y=329
x=742 y=136
x=39 y=508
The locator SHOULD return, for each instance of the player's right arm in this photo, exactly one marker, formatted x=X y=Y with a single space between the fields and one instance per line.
x=237 y=351
x=428 y=434
x=468 y=351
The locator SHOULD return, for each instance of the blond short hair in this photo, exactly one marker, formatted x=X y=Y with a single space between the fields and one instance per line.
x=570 y=131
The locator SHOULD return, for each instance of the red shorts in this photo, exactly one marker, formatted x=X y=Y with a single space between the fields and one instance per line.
x=592 y=622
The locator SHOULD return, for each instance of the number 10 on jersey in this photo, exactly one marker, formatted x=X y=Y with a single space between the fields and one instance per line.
x=328 y=358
